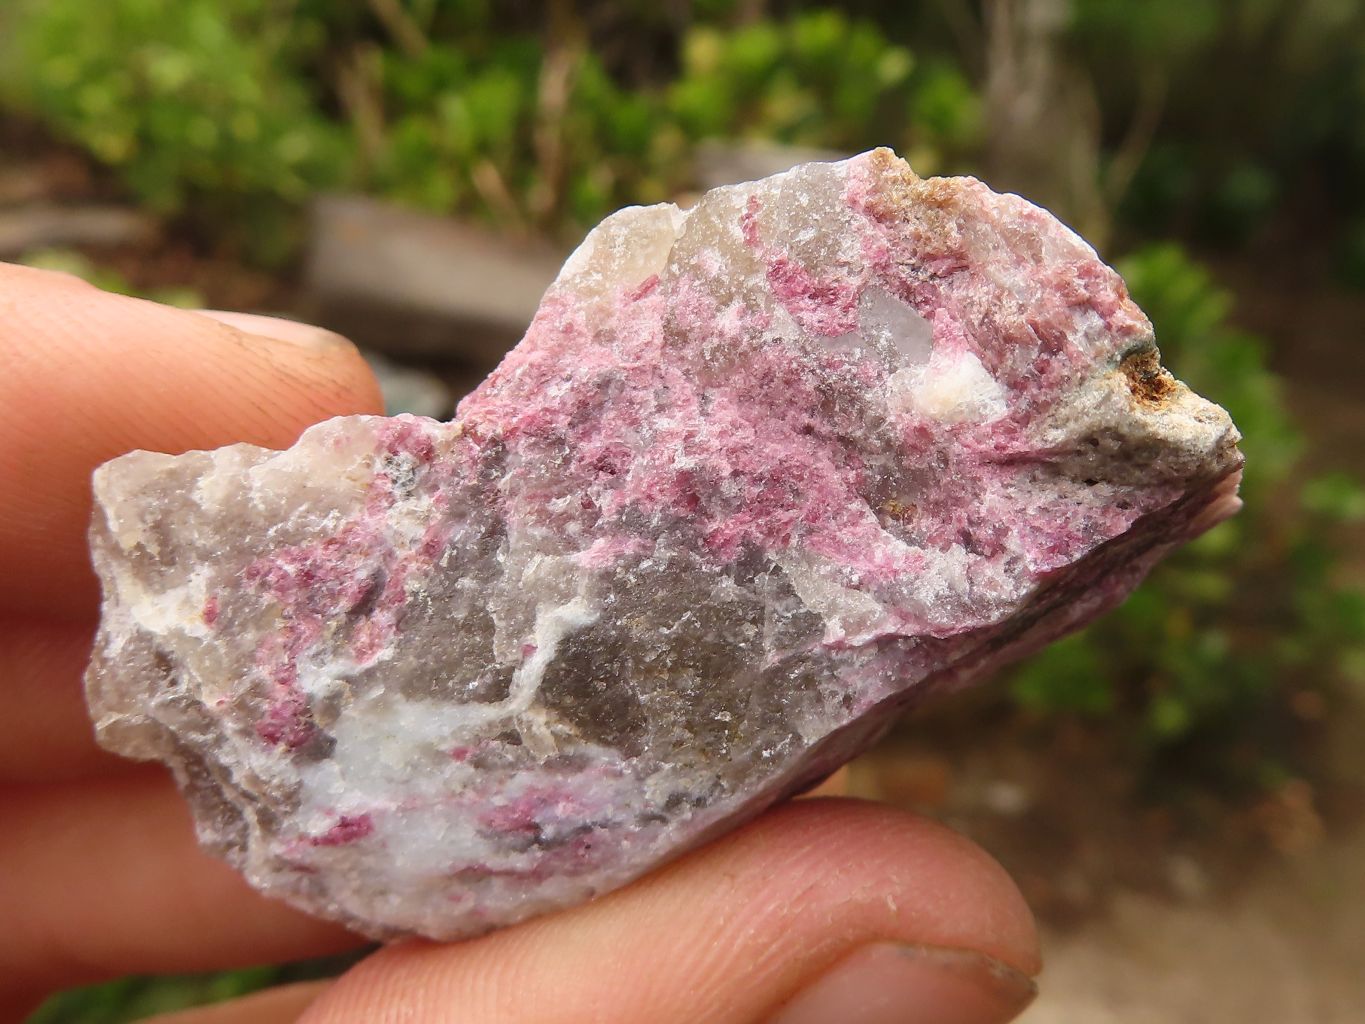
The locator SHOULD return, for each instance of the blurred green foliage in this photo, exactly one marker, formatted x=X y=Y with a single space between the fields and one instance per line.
x=129 y=999
x=1224 y=633
x=134 y=998
x=194 y=101
x=233 y=112
x=482 y=132
x=546 y=116
x=1261 y=106
x=529 y=134
x=69 y=261
x=821 y=80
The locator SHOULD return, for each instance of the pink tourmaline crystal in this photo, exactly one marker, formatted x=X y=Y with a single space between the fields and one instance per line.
x=761 y=475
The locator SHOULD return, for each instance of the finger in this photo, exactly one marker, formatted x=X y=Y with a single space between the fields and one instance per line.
x=750 y=926
x=89 y=375
x=45 y=734
x=281 y=1005
x=105 y=878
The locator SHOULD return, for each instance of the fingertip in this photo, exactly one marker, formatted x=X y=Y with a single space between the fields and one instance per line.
x=16 y=278
x=886 y=983
x=295 y=332
x=726 y=934
x=90 y=375
x=294 y=374
x=282 y=1004
x=939 y=887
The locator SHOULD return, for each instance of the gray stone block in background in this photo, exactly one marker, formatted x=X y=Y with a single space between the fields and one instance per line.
x=42 y=226
x=412 y=284
x=433 y=288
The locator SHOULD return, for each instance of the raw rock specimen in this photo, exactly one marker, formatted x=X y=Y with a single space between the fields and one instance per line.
x=761 y=474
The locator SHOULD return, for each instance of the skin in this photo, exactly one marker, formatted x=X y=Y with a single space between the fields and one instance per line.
x=100 y=875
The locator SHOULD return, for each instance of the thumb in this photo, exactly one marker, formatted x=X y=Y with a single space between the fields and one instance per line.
x=89 y=375
x=823 y=911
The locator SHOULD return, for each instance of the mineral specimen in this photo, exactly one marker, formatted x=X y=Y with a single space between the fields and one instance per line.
x=762 y=474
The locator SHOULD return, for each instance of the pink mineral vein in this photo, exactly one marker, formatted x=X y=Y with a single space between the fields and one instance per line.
x=761 y=475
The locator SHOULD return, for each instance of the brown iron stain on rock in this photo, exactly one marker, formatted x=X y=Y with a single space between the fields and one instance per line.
x=1149 y=381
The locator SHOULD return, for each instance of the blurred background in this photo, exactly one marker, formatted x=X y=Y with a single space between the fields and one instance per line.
x=1180 y=790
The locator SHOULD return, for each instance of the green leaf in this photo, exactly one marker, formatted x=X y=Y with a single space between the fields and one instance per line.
x=1336 y=496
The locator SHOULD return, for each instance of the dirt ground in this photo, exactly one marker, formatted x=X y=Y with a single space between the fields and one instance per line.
x=1288 y=948
x=1147 y=916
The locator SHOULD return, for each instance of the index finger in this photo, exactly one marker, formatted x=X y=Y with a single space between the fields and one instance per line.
x=89 y=375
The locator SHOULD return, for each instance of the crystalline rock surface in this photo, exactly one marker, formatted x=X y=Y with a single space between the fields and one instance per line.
x=761 y=475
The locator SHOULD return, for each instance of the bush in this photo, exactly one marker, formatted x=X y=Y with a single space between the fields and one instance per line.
x=1222 y=636
x=236 y=114
x=1261 y=106
x=194 y=101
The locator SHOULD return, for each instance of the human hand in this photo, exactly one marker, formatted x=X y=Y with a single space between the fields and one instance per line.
x=824 y=911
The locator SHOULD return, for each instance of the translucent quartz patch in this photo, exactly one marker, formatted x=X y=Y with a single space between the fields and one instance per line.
x=761 y=475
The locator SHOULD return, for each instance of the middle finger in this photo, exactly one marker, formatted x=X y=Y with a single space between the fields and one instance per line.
x=105 y=878
x=46 y=734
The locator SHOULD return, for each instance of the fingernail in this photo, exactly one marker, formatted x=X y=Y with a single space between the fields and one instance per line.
x=886 y=983
x=279 y=328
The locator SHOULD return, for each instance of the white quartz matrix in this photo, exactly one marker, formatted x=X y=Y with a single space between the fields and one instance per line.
x=761 y=474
